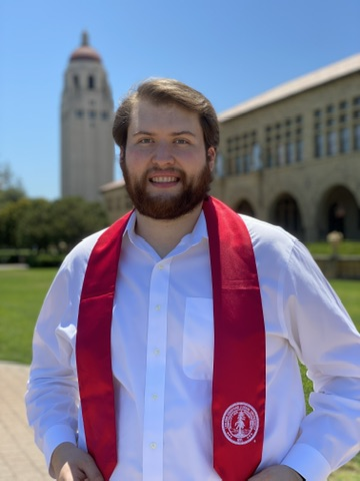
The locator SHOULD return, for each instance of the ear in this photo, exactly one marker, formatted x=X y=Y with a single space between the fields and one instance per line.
x=211 y=156
x=122 y=155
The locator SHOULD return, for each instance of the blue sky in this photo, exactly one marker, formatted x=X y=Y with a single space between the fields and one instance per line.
x=231 y=50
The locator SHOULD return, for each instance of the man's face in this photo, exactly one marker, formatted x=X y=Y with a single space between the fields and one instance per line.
x=166 y=167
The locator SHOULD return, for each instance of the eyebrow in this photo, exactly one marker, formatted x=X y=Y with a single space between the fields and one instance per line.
x=173 y=134
x=183 y=132
x=142 y=132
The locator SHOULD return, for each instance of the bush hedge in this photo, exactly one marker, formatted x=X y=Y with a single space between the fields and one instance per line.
x=45 y=260
x=26 y=256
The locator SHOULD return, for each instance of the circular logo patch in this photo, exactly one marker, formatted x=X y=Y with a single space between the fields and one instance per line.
x=240 y=423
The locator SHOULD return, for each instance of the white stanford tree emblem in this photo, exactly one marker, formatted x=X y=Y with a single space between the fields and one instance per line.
x=240 y=423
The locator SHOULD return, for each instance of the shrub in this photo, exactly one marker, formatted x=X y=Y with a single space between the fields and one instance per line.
x=45 y=260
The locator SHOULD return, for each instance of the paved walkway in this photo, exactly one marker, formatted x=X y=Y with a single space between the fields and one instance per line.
x=20 y=459
x=13 y=267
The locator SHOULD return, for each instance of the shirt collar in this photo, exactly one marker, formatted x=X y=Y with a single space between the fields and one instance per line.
x=195 y=237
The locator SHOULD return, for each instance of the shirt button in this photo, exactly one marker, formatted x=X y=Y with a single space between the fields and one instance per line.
x=161 y=267
x=153 y=445
x=154 y=397
x=158 y=307
x=156 y=352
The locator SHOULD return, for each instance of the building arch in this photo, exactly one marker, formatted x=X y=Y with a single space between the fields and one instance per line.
x=338 y=211
x=285 y=212
x=245 y=207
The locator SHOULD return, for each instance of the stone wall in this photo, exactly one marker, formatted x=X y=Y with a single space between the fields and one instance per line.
x=345 y=267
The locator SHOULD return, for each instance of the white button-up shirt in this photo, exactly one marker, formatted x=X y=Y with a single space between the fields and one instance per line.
x=162 y=353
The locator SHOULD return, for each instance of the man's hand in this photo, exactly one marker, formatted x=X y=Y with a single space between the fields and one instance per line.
x=277 y=473
x=70 y=463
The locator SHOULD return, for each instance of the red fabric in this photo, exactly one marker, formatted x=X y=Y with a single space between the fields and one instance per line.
x=239 y=352
x=93 y=348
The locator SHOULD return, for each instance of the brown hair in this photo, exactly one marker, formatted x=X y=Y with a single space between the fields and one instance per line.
x=168 y=91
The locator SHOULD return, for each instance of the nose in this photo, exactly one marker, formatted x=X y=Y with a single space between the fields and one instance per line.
x=163 y=154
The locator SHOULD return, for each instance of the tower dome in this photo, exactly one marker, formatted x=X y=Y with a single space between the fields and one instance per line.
x=85 y=52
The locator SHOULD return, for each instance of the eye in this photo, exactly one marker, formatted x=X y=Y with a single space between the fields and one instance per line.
x=181 y=141
x=146 y=140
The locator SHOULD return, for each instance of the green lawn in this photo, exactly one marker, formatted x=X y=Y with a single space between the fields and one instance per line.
x=345 y=248
x=21 y=296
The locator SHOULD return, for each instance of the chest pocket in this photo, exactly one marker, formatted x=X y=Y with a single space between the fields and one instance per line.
x=198 y=340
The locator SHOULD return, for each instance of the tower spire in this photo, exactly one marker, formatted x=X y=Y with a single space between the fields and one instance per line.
x=84 y=39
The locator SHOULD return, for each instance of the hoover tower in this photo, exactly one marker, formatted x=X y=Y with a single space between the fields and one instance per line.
x=87 y=147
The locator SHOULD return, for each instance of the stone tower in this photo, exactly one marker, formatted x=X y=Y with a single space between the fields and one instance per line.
x=87 y=147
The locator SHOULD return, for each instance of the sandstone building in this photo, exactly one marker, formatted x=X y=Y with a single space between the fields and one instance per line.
x=290 y=156
x=87 y=147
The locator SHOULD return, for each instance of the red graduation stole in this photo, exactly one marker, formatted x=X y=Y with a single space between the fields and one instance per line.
x=239 y=379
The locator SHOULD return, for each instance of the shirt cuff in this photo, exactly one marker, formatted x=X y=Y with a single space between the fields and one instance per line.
x=308 y=462
x=55 y=436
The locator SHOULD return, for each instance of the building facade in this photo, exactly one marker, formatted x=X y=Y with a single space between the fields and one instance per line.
x=87 y=147
x=291 y=156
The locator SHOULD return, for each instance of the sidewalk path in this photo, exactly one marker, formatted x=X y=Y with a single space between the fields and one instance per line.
x=20 y=459
x=13 y=267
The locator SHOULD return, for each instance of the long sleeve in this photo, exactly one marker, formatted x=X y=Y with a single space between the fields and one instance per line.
x=328 y=344
x=52 y=397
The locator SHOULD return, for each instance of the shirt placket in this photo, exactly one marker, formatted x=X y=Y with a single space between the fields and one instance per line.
x=155 y=373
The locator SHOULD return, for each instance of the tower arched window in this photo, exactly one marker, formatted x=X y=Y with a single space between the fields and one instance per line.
x=91 y=82
x=76 y=81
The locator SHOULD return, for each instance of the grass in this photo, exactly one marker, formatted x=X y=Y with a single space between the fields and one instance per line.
x=21 y=296
x=345 y=248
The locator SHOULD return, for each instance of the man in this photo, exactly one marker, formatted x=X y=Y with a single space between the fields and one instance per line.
x=179 y=329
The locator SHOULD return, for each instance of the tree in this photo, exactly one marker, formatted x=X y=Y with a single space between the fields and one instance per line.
x=34 y=229
x=11 y=215
x=11 y=189
x=40 y=224
x=74 y=218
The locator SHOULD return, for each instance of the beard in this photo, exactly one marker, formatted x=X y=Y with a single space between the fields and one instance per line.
x=163 y=206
